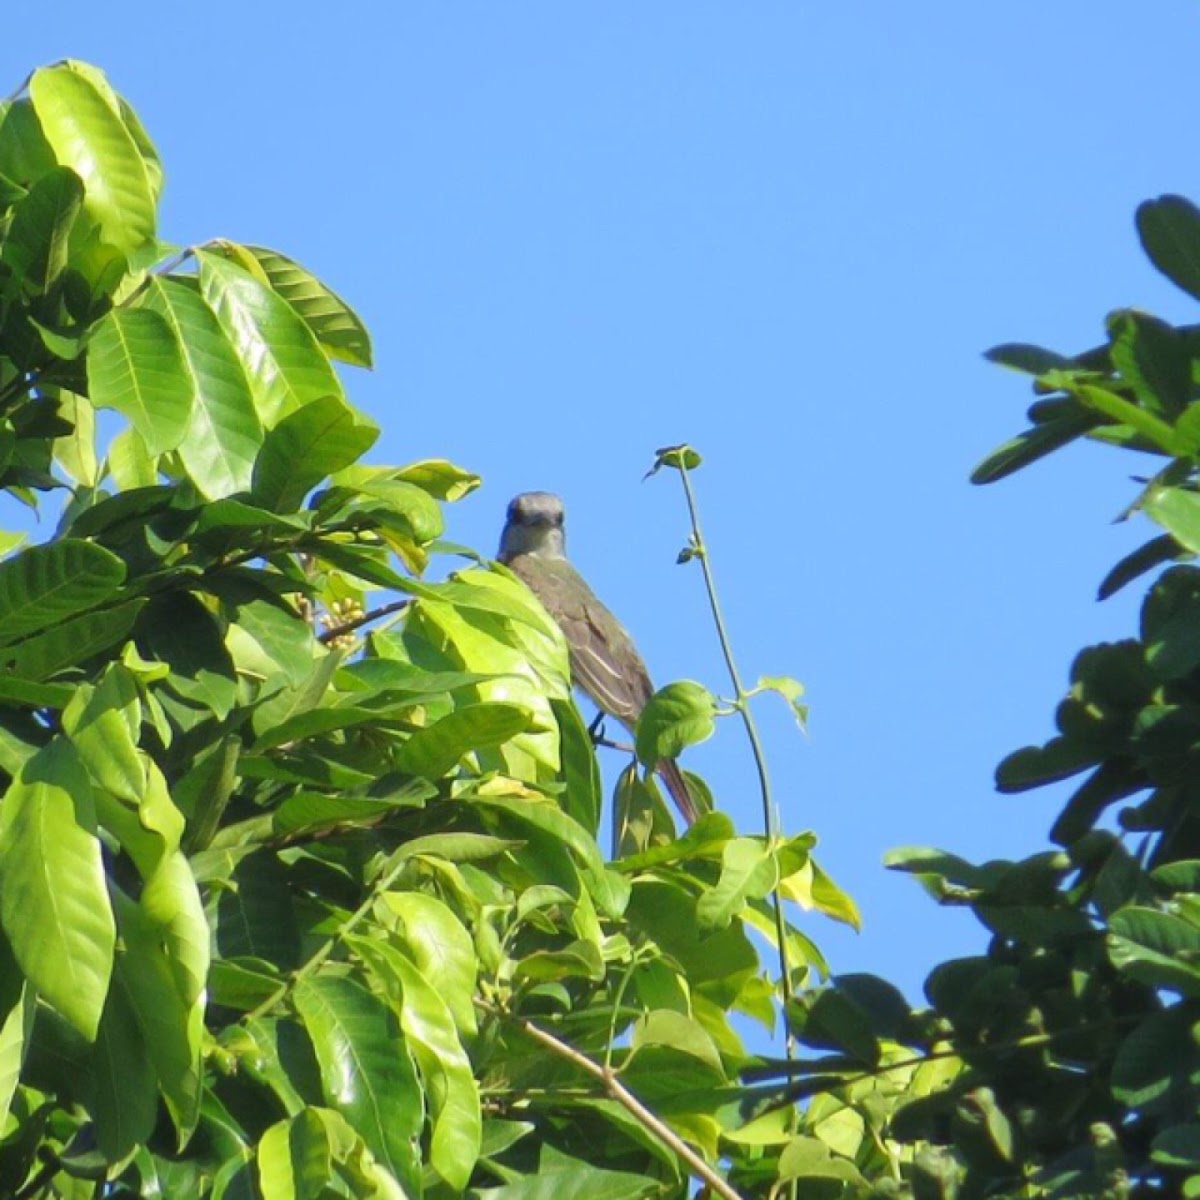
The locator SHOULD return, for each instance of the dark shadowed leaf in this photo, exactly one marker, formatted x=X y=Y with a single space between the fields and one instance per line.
x=1170 y=231
x=1146 y=557
x=1033 y=444
x=124 y=1090
x=36 y=245
x=1031 y=360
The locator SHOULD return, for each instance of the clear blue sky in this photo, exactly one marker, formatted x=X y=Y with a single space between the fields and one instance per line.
x=782 y=231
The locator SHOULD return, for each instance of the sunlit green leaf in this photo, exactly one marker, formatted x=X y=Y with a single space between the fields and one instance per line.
x=306 y=446
x=676 y=716
x=282 y=360
x=224 y=434
x=136 y=366
x=91 y=139
x=53 y=901
x=435 y=750
x=333 y=322
x=366 y=1071
x=430 y=1034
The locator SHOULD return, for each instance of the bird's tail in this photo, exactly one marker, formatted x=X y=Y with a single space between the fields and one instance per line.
x=672 y=776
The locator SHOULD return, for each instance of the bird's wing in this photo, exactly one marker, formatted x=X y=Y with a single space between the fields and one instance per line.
x=604 y=661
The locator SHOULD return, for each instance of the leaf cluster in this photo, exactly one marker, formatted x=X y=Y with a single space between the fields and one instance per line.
x=300 y=887
x=1063 y=1061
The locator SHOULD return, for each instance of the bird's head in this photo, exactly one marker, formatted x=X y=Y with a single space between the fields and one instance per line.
x=534 y=526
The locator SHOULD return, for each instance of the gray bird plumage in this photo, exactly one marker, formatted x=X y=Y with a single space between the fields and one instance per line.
x=605 y=663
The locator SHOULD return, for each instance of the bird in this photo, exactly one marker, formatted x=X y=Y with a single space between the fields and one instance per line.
x=605 y=663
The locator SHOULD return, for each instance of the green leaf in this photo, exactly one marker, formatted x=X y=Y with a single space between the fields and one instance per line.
x=311 y=812
x=676 y=716
x=1178 y=1146
x=73 y=642
x=1156 y=1058
x=54 y=905
x=431 y=1035
x=434 y=751
x=17 y=1005
x=366 y=1072
x=224 y=434
x=668 y=1028
x=810 y=1158
x=25 y=155
x=442 y=949
x=44 y=585
x=582 y=795
x=748 y=872
x=1170 y=624
x=1030 y=360
x=705 y=839
x=1170 y=231
x=282 y=642
x=130 y=462
x=285 y=365
x=559 y=1177
x=88 y=136
x=36 y=245
x=172 y=1024
x=104 y=723
x=791 y=690
x=76 y=451
x=170 y=901
x=136 y=366
x=1177 y=510
x=295 y=1159
x=124 y=1089
x=1032 y=444
x=1153 y=358
x=179 y=631
x=254 y=913
x=1153 y=553
x=1157 y=948
x=333 y=322
x=1033 y=766
x=681 y=458
x=441 y=479
x=322 y=437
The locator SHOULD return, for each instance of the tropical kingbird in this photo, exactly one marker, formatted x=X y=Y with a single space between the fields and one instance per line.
x=605 y=664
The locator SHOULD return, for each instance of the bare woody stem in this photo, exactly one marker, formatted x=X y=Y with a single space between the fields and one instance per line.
x=384 y=610
x=623 y=1096
x=741 y=702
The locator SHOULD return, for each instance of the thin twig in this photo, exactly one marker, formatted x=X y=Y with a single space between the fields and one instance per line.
x=384 y=610
x=623 y=1096
x=741 y=703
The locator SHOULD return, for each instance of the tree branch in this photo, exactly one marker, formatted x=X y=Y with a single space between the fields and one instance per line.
x=623 y=1096
x=384 y=610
